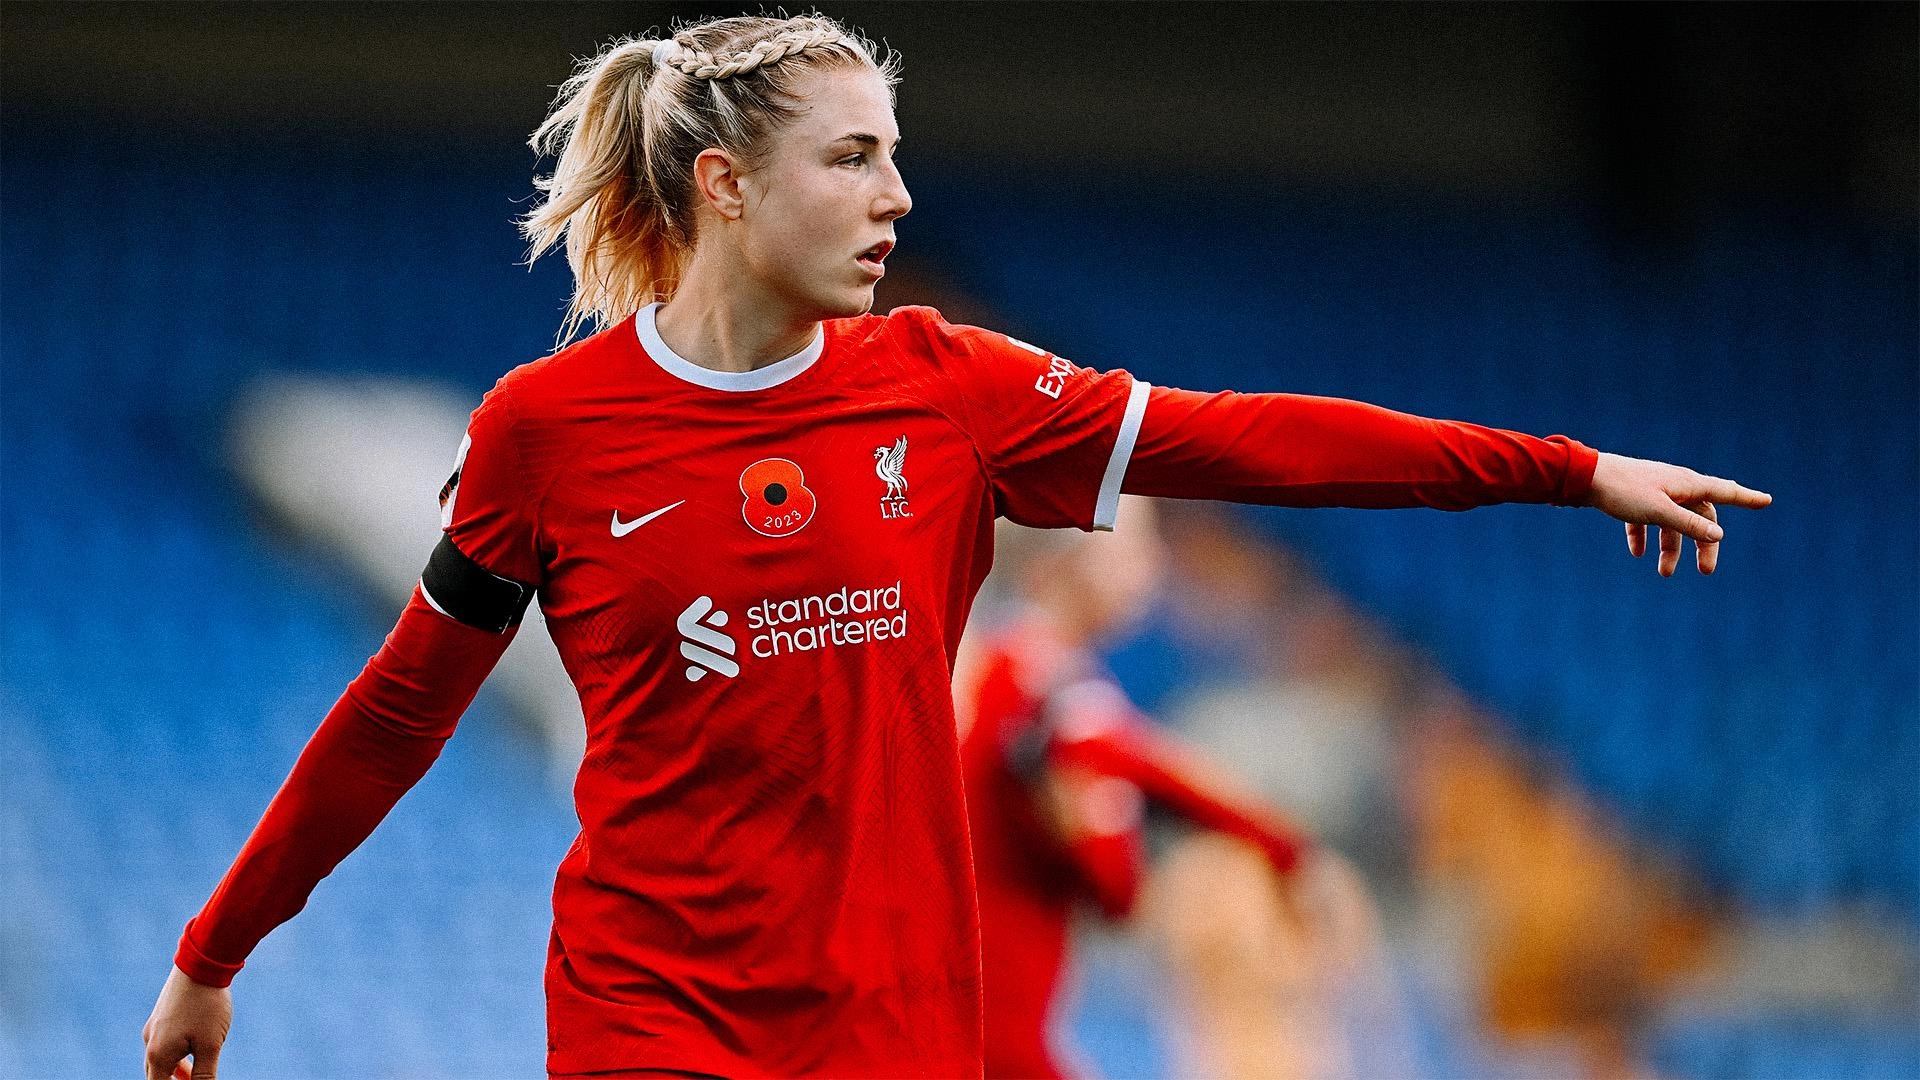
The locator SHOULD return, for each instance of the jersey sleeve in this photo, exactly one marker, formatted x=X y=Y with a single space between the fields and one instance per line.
x=388 y=727
x=1298 y=450
x=1111 y=862
x=489 y=506
x=1097 y=729
x=374 y=745
x=1054 y=436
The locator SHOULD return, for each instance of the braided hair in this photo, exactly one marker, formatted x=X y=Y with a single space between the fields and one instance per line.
x=627 y=127
x=700 y=64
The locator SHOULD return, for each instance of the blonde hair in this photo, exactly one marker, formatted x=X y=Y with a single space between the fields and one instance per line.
x=630 y=122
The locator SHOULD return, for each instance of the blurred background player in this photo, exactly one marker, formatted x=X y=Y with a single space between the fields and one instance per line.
x=1263 y=930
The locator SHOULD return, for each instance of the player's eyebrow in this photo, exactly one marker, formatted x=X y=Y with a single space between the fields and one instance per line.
x=864 y=139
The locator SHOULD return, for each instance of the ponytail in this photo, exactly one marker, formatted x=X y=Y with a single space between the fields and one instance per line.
x=597 y=198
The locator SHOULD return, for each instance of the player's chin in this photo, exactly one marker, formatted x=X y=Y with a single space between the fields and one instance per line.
x=847 y=303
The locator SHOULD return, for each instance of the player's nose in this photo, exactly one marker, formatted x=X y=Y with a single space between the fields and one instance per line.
x=893 y=200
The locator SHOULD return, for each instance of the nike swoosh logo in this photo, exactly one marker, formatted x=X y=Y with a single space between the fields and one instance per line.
x=622 y=528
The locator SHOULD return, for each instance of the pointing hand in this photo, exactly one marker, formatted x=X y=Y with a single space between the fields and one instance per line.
x=1679 y=501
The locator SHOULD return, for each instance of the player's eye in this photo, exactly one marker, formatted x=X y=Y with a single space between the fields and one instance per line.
x=853 y=159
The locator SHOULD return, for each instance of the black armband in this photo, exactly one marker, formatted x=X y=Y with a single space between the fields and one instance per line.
x=467 y=592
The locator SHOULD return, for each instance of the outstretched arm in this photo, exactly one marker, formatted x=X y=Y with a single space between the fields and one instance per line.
x=1298 y=450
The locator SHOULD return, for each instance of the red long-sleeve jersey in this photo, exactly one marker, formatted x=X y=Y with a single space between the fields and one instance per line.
x=757 y=582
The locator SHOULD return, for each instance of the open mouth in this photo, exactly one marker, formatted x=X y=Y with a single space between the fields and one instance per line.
x=875 y=255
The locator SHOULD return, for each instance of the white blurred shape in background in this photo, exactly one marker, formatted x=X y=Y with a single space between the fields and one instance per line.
x=356 y=466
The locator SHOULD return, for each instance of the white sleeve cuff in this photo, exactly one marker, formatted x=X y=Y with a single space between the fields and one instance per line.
x=1107 y=507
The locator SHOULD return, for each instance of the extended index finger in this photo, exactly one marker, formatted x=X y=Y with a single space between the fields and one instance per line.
x=1727 y=493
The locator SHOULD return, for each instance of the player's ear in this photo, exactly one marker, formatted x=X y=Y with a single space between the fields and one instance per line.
x=717 y=178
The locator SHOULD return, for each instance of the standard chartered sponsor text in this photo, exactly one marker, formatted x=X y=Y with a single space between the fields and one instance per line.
x=848 y=616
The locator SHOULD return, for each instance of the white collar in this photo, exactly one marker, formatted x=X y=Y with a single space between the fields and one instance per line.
x=648 y=330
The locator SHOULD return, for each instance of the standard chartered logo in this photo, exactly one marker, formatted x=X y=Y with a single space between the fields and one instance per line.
x=846 y=616
x=702 y=644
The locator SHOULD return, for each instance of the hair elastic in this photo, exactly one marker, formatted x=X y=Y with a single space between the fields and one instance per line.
x=661 y=49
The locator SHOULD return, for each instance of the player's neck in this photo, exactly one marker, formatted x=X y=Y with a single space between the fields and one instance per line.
x=728 y=327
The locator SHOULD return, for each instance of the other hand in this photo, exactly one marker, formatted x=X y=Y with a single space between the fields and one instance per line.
x=1680 y=502
x=189 y=1019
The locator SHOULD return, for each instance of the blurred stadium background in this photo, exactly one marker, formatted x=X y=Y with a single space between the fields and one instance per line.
x=257 y=261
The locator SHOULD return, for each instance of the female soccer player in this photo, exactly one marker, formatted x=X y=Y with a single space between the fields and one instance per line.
x=755 y=516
